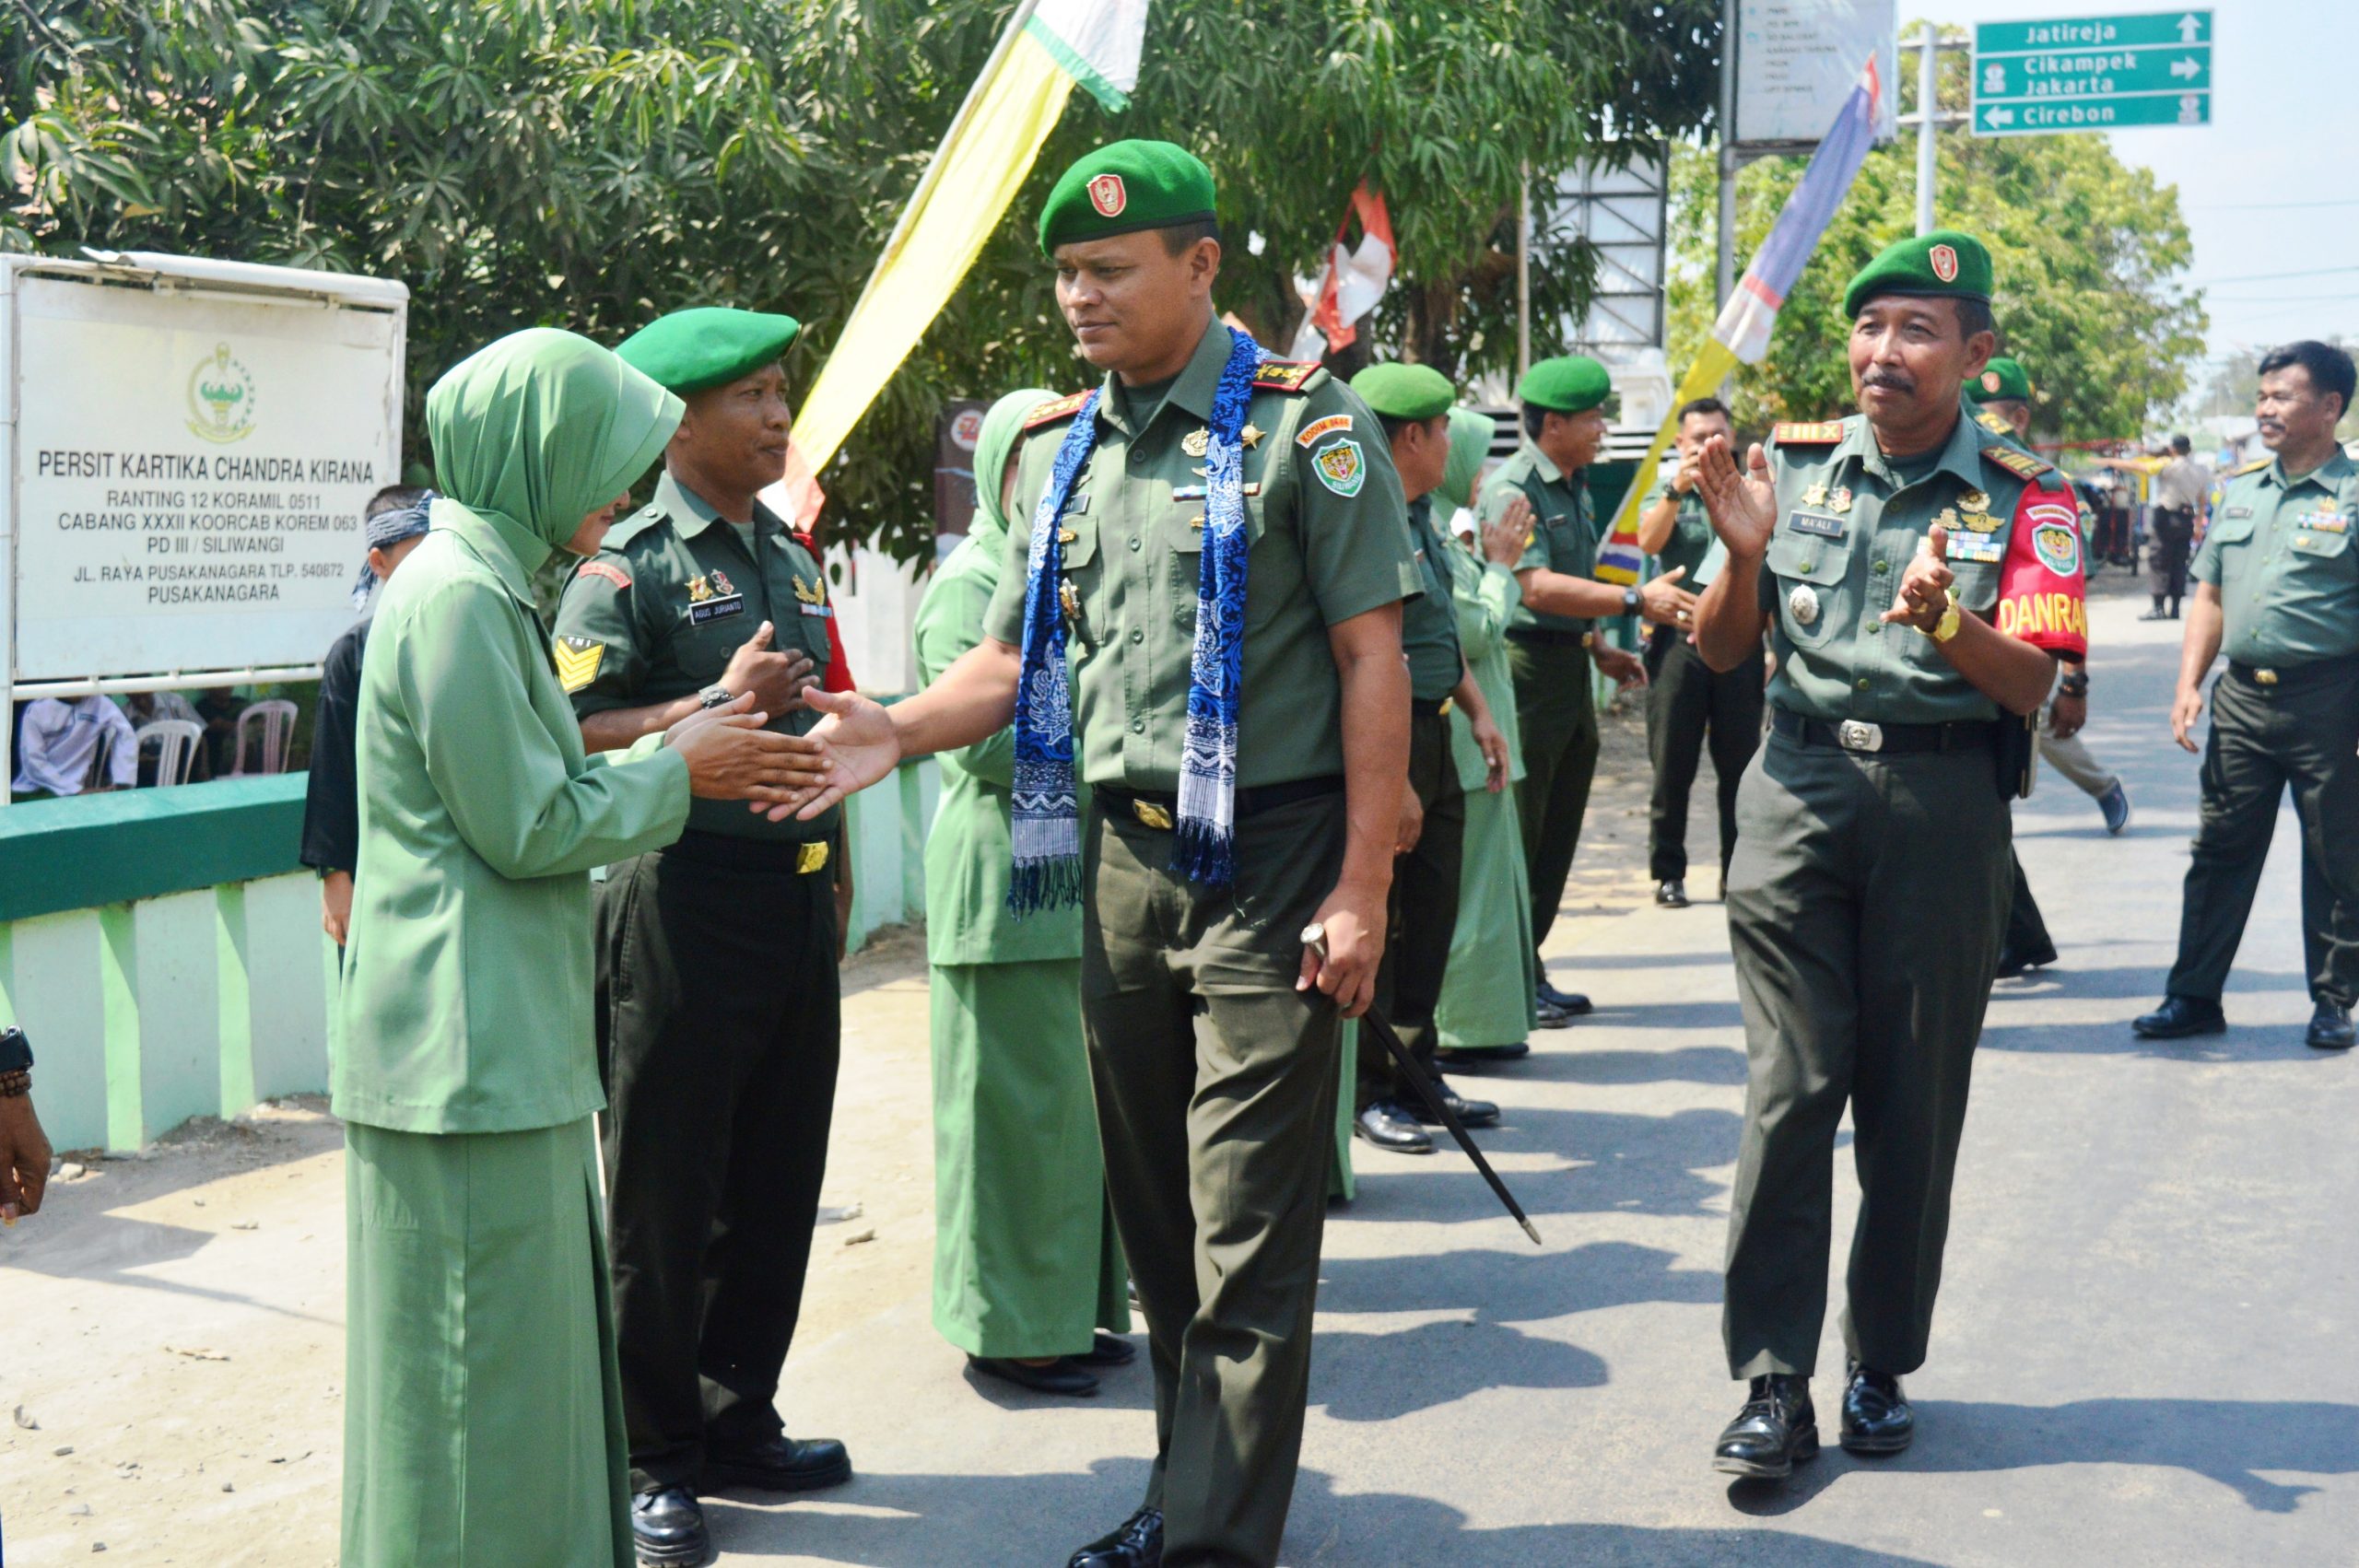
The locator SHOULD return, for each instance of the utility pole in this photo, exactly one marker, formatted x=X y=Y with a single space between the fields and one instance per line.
x=1523 y=277
x=1930 y=117
x=1725 y=273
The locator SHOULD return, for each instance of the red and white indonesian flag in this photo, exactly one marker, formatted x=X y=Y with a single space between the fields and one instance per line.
x=1355 y=281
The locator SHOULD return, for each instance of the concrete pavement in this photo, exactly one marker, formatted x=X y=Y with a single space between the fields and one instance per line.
x=2145 y=1346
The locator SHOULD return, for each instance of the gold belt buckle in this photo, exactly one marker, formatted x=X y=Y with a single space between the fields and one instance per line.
x=1447 y=704
x=1151 y=814
x=2265 y=677
x=811 y=857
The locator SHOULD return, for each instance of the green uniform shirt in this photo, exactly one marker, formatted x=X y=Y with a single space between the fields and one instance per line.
x=1430 y=622
x=1846 y=530
x=1692 y=539
x=1563 y=538
x=2279 y=554
x=1487 y=594
x=661 y=610
x=1330 y=541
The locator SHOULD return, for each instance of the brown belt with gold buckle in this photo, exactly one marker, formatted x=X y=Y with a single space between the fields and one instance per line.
x=1159 y=809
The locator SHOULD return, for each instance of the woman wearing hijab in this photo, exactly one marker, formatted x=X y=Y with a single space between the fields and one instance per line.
x=1487 y=1009
x=1026 y=1266
x=483 y=1423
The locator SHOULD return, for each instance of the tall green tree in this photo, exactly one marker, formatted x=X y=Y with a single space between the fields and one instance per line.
x=589 y=163
x=2089 y=254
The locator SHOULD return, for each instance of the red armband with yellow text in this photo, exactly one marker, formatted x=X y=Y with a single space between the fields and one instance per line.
x=2042 y=597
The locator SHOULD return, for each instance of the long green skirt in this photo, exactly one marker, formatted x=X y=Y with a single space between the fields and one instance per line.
x=1486 y=997
x=1025 y=1263
x=483 y=1423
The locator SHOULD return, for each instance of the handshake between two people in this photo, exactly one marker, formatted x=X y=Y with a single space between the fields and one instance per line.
x=732 y=756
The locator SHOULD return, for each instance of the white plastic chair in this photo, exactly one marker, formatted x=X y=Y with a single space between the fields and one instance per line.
x=176 y=740
x=276 y=721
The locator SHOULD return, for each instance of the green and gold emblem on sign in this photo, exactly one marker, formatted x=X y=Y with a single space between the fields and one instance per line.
x=221 y=398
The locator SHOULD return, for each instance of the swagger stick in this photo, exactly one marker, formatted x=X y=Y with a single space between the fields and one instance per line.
x=1314 y=936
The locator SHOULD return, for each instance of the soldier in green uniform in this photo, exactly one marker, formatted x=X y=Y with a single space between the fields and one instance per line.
x=717 y=1023
x=1413 y=401
x=1026 y=1266
x=1202 y=624
x=1913 y=573
x=2277 y=589
x=1549 y=639
x=1686 y=698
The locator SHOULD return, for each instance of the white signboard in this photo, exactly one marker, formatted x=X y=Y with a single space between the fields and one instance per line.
x=191 y=464
x=1797 y=59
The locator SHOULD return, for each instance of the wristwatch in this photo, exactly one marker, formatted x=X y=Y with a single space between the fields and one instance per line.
x=1630 y=601
x=2074 y=684
x=715 y=695
x=16 y=1051
x=1946 y=627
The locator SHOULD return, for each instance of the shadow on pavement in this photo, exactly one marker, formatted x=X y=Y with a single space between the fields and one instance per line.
x=1381 y=1375
x=1640 y=1163
x=1515 y=1287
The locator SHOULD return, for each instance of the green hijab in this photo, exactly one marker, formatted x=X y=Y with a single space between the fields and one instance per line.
x=1470 y=443
x=1002 y=428
x=535 y=431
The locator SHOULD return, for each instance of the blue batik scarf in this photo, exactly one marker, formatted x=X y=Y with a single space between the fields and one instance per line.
x=1047 y=825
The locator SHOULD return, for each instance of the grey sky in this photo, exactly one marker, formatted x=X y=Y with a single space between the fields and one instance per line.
x=2260 y=185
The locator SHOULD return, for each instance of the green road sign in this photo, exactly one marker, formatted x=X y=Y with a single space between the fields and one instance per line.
x=2092 y=74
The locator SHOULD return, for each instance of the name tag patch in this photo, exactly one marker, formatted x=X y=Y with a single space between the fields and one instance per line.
x=2235 y=511
x=716 y=609
x=1817 y=524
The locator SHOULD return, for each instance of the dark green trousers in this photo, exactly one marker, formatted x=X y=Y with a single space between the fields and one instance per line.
x=1865 y=905
x=2301 y=732
x=1423 y=918
x=718 y=1032
x=1688 y=701
x=1216 y=1083
x=2028 y=935
x=1560 y=722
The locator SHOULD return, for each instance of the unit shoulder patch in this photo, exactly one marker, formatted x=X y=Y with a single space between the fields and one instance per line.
x=1285 y=375
x=577 y=658
x=1055 y=409
x=606 y=569
x=1814 y=433
x=1319 y=429
x=2023 y=465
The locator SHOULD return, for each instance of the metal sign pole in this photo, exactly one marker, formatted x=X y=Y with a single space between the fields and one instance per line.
x=1928 y=59
x=1724 y=275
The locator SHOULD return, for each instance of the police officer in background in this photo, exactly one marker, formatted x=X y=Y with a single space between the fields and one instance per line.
x=2277 y=589
x=1685 y=697
x=717 y=1000
x=1551 y=643
x=1885 y=553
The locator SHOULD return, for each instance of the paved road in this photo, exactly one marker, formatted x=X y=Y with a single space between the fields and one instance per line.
x=2145 y=1352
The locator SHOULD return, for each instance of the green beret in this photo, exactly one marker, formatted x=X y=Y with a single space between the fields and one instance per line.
x=1405 y=391
x=1944 y=263
x=709 y=347
x=2000 y=380
x=1572 y=383
x=1124 y=187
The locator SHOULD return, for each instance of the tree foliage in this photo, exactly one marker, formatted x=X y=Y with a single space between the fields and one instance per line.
x=590 y=163
x=2087 y=251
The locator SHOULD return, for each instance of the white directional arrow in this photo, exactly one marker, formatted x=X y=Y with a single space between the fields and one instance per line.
x=2190 y=28
x=1997 y=115
x=2188 y=69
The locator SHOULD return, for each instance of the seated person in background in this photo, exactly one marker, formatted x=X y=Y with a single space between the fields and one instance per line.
x=218 y=708
x=66 y=747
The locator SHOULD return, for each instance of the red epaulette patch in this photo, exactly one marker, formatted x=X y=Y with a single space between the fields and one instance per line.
x=1285 y=375
x=1821 y=433
x=1055 y=409
x=2023 y=465
x=606 y=569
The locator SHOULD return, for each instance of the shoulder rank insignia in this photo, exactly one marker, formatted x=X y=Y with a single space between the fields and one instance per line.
x=1819 y=433
x=2023 y=465
x=1055 y=409
x=1995 y=424
x=577 y=658
x=1285 y=375
x=606 y=569
x=2250 y=468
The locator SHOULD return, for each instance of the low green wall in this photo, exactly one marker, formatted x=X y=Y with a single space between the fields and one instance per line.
x=162 y=947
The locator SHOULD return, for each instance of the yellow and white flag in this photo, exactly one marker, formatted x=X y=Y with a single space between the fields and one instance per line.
x=1050 y=46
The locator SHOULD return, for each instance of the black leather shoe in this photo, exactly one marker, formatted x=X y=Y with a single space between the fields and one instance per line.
x=667 y=1528
x=1776 y=1431
x=781 y=1464
x=1671 y=892
x=1550 y=1015
x=1136 y=1543
x=2179 y=1017
x=1481 y=1056
x=1107 y=1349
x=1571 y=1002
x=1876 y=1417
x=2011 y=963
x=2330 y=1027
x=1388 y=1124
x=1059 y=1376
x=1470 y=1113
